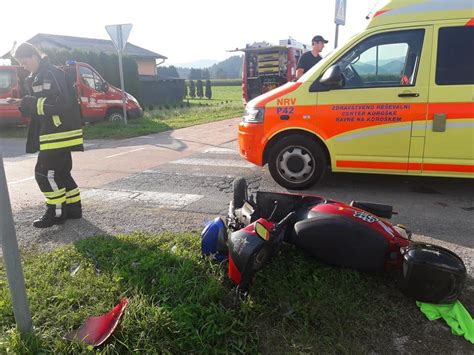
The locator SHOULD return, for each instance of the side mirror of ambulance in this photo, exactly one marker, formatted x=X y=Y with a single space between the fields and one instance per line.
x=332 y=78
x=105 y=86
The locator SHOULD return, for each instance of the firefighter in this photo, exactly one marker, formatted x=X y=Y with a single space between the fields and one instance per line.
x=311 y=58
x=55 y=130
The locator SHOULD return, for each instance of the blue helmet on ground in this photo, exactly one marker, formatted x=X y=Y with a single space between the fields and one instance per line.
x=214 y=239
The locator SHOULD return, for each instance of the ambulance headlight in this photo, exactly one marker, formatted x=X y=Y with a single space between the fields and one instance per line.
x=253 y=115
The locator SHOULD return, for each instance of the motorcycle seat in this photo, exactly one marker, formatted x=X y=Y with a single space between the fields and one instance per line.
x=340 y=241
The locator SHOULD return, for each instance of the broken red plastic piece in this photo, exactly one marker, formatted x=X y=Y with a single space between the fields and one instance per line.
x=96 y=330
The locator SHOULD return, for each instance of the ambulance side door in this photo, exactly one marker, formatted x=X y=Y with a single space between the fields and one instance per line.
x=449 y=148
x=384 y=92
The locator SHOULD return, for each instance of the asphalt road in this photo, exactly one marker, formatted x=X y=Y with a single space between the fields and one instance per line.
x=179 y=180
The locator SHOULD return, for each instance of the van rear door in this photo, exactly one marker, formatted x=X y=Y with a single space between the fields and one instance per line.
x=449 y=148
x=376 y=121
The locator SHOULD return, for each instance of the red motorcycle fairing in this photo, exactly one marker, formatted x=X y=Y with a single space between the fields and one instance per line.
x=347 y=236
x=248 y=252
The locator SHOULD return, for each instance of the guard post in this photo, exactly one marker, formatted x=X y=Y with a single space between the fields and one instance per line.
x=11 y=257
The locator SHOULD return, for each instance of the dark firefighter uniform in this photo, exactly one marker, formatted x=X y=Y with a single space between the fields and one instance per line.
x=55 y=130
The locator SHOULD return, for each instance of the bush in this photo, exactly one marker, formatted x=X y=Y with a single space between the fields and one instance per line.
x=199 y=89
x=192 y=89
x=208 y=91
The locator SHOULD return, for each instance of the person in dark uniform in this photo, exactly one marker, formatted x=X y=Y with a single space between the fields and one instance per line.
x=55 y=130
x=309 y=59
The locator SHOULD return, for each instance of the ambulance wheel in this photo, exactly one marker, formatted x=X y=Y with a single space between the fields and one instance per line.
x=115 y=116
x=240 y=192
x=297 y=162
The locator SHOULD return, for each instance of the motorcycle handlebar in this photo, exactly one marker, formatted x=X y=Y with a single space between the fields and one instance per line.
x=284 y=221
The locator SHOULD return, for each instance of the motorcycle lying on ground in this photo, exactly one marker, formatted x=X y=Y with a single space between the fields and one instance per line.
x=356 y=235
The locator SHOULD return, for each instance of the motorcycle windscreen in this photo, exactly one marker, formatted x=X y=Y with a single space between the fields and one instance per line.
x=285 y=203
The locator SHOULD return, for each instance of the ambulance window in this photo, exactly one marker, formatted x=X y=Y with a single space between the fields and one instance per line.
x=87 y=77
x=384 y=60
x=455 y=69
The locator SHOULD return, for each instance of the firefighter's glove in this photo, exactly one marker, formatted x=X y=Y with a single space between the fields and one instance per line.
x=28 y=106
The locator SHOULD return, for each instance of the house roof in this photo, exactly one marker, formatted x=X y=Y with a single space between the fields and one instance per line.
x=89 y=44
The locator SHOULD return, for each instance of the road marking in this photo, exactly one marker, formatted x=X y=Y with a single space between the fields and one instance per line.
x=162 y=199
x=221 y=150
x=123 y=153
x=214 y=162
x=20 y=181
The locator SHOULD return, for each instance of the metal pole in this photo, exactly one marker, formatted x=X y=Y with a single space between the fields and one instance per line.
x=11 y=256
x=122 y=85
x=337 y=35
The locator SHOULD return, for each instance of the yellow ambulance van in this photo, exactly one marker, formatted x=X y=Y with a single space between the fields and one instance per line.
x=395 y=99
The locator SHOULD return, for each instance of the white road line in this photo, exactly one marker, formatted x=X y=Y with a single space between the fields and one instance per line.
x=20 y=181
x=214 y=162
x=221 y=150
x=123 y=153
x=162 y=199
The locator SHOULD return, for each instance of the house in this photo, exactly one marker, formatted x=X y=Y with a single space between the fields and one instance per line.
x=146 y=60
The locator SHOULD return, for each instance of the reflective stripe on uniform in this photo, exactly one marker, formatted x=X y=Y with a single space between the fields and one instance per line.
x=40 y=105
x=72 y=192
x=62 y=144
x=56 y=120
x=57 y=202
x=61 y=135
x=54 y=194
x=73 y=196
x=73 y=199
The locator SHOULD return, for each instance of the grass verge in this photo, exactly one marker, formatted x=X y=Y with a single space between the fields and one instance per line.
x=181 y=303
x=163 y=120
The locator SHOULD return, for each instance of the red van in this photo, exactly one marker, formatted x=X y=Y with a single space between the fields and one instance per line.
x=99 y=100
x=11 y=87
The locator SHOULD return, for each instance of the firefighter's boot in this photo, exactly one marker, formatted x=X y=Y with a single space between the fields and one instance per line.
x=49 y=219
x=74 y=210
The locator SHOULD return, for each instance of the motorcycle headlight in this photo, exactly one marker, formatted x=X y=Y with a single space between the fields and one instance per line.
x=253 y=115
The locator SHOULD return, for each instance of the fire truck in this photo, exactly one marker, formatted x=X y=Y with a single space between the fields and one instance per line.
x=267 y=66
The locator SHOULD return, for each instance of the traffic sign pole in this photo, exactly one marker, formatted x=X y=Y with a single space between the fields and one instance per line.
x=11 y=257
x=339 y=17
x=119 y=35
x=122 y=85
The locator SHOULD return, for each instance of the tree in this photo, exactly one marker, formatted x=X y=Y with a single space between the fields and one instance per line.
x=170 y=72
x=206 y=74
x=192 y=89
x=221 y=74
x=231 y=68
x=208 y=91
x=199 y=89
x=185 y=90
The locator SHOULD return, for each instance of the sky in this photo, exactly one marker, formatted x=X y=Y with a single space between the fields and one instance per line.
x=184 y=30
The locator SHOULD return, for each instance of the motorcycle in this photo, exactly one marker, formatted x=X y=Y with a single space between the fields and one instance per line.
x=357 y=235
